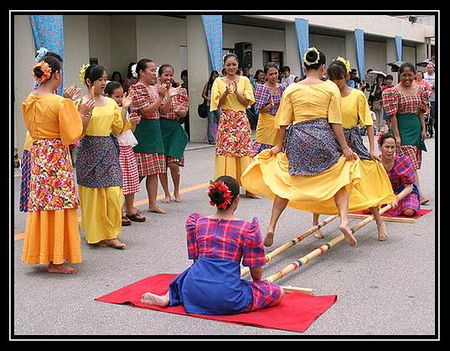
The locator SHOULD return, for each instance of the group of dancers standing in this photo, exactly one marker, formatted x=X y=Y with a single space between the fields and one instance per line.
x=308 y=155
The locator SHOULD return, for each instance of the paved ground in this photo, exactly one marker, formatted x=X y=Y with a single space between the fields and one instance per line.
x=384 y=288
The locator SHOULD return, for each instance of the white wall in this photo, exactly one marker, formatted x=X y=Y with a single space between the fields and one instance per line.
x=332 y=47
x=375 y=55
x=123 y=43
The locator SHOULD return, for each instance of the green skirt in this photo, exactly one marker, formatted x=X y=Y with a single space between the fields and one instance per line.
x=410 y=130
x=174 y=137
x=148 y=135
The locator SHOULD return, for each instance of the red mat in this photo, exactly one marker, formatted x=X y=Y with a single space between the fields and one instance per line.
x=296 y=312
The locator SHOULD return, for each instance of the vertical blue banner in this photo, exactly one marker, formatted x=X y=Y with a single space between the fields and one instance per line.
x=302 y=28
x=360 y=57
x=48 y=32
x=213 y=31
x=398 y=47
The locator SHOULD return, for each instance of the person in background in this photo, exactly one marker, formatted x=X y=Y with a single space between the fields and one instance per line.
x=218 y=243
x=129 y=80
x=376 y=103
x=117 y=77
x=213 y=116
x=405 y=104
x=418 y=78
x=429 y=76
x=51 y=232
x=354 y=77
x=388 y=83
x=286 y=77
x=185 y=85
x=258 y=78
x=127 y=159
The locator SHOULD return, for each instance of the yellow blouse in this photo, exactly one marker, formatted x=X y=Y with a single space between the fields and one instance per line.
x=355 y=105
x=28 y=141
x=106 y=119
x=244 y=87
x=301 y=102
x=52 y=116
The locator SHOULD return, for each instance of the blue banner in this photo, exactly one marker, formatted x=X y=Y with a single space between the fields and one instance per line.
x=213 y=32
x=360 y=57
x=48 y=32
x=398 y=47
x=302 y=28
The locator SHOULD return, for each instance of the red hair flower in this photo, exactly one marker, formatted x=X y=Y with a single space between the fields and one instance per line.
x=221 y=186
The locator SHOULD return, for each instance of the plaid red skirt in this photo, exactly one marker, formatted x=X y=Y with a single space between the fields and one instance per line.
x=149 y=164
x=413 y=152
x=130 y=172
x=411 y=202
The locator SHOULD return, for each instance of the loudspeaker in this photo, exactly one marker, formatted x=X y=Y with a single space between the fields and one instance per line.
x=243 y=50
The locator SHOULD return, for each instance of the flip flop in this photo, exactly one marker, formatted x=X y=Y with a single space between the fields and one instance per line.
x=137 y=217
x=125 y=221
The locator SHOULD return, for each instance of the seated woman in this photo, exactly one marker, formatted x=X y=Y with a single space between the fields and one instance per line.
x=217 y=243
x=402 y=176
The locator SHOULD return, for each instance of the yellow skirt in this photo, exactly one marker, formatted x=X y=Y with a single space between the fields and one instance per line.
x=269 y=175
x=101 y=212
x=52 y=236
x=266 y=133
x=231 y=166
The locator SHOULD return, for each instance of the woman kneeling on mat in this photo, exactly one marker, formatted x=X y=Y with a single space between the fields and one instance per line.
x=402 y=176
x=217 y=243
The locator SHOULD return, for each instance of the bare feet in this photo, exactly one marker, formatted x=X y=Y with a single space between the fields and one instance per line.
x=345 y=229
x=178 y=197
x=156 y=209
x=251 y=195
x=115 y=244
x=318 y=234
x=101 y=244
x=268 y=239
x=149 y=298
x=167 y=199
x=61 y=269
x=382 y=234
x=424 y=200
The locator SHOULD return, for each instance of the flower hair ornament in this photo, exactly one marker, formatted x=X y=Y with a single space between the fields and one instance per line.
x=345 y=62
x=83 y=73
x=220 y=185
x=40 y=54
x=133 y=70
x=311 y=62
x=45 y=68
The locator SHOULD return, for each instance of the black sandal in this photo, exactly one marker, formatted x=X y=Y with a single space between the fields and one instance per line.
x=137 y=217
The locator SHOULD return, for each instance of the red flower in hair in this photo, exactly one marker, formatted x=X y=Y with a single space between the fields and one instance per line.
x=221 y=186
x=380 y=136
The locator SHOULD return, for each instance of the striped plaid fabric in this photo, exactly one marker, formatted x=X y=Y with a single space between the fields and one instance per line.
x=411 y=152
x=142 y=98
x=149 y=164
x=181 y=99
x=262 y=97
x=394 y=102
x=225 y=239
x=130 y=172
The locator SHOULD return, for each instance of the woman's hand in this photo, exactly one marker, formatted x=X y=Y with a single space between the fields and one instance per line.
x=275 y=150
x=394 y=204
x=424 y=134
x=134 y=120
x=86 y=107
x=398 y=140
x=162 y=90
x=349 y=154
x=375 y=156
x=126 y=101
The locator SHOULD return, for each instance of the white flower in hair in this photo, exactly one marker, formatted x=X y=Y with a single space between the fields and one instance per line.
x=40 y=54
x=133 y=70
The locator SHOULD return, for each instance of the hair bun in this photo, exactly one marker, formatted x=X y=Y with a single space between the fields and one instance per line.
x=311 y=56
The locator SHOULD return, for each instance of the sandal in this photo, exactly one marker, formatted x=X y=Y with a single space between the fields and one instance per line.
x=125 y=221
x=137 y=217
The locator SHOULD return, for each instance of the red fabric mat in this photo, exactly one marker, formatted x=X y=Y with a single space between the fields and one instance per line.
x=295 y=312
x=422 y=212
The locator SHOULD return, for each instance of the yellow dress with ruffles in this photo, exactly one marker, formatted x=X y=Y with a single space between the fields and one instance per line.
x=233 y=166
x=374 y=188
x=51 y=235
x=268 y=175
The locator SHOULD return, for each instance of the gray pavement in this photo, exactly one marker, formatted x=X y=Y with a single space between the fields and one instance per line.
x=383 y=288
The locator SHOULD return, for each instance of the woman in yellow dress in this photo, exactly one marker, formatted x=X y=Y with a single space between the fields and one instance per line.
x=234 y=144
x=53 y=122
x=317 y=169
x=99 y=174
x=374 y=188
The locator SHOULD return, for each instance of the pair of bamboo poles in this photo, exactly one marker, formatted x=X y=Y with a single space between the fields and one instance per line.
x=313 y=254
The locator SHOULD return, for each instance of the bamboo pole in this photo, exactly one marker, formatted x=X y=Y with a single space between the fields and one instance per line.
x=291 y=243
x=320 y=250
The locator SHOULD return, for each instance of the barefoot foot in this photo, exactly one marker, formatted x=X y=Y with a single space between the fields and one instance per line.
x=268 y=239
x=149 y=298
x=156 y=209
x=178 y=197
x=61 y=269
x=167 y=199
x=318 y=234
x=382 y=234
x=345 y=229
x=116 y=244
x=251 y=195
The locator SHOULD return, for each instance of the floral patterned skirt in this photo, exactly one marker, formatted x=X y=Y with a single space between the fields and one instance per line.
x=52 y=181
x=234 y=136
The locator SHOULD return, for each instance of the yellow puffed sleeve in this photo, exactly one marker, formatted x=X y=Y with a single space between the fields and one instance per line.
x=217 y=90
x=70 y=124
x=248 y=90
x=117 y=123
x=334 y=108
x=28 y=141
x=285 y=113
x=365 y=118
